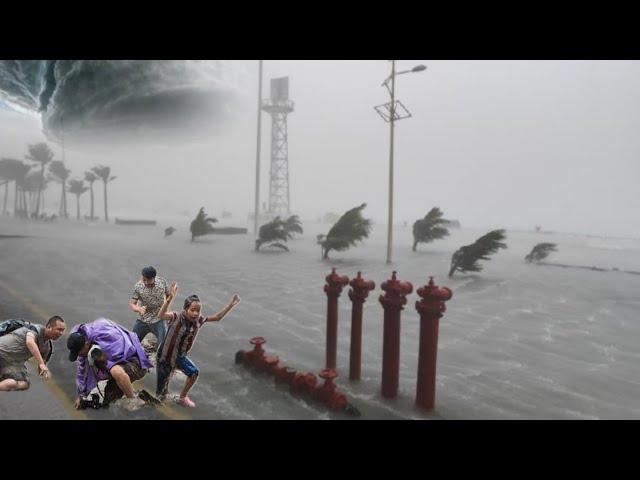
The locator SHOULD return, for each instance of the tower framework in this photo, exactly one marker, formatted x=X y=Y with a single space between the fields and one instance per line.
x=279 y=106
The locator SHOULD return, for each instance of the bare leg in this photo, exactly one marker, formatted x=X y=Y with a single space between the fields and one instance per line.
x=10 y=385
x=191 y=381
x=122 y=379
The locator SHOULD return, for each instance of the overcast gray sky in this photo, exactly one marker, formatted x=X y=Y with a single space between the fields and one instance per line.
x=494 y=144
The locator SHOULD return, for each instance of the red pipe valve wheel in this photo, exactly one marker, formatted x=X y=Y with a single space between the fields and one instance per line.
x=326 y=393
x=252 y=357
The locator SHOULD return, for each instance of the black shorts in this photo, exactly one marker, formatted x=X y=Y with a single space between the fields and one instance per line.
x=17 y=372
x=134 y=371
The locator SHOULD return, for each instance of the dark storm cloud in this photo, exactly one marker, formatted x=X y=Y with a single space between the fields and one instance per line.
x=21 y=82
x=128 y=98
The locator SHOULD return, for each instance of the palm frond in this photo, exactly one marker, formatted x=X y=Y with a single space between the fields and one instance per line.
x=348 y=230
x=466 y=258
x=431 y=227
x=90 y=177
x=293 y=225
x=540 y=252
x=12 y=169
x=59 y=171
x=201 y=225
x=271 y=233
x=103 y=173
x=77 y=187
x=40 y=153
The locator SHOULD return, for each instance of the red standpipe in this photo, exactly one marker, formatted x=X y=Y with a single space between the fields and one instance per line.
x=430 y=307
x=360 y=289
x=333 y=288
x=304 y=384
x=393 y=302
x=327 y=393
x=255 y=357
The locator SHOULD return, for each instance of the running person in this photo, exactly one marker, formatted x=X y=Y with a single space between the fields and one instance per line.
x=182 y=330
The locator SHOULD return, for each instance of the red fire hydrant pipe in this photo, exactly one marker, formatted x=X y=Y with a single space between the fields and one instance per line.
x=393 y=302
x=431 y=307
x=359 y=291
x=333 y=288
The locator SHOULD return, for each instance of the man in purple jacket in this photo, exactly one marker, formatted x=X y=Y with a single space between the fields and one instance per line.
x=116 y=356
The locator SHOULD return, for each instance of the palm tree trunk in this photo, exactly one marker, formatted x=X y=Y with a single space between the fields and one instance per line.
x=64 y=194
x=6 y=193
x=106 y=216
x=415 y=244
x=77 y=207
x=452 y=270
x=25 y=212
x=325 y=254
x=91 y=186
x=37 y=210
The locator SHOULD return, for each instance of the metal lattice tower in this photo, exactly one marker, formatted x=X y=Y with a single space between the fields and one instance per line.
x=279 y=106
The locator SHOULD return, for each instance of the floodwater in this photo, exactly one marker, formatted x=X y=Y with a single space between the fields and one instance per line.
x=517 y=341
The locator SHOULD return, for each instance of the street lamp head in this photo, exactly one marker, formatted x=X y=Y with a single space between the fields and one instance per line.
x=418 y=68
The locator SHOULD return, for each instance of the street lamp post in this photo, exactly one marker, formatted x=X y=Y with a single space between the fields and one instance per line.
x=257 y=197
x=391 y=112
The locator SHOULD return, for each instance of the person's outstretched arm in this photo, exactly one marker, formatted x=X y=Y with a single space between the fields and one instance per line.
x=43 y=371
x=173 y=291
x=227 y=308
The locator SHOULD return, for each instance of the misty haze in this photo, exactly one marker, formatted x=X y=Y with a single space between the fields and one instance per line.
x=543 y=321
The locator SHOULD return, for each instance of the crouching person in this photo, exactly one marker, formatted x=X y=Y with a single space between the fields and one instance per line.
x=19 y=341
x=116 y=355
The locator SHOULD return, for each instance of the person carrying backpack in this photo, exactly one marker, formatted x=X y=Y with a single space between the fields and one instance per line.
x=21 y=340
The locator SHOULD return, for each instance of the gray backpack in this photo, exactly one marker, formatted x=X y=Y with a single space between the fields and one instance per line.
x=8 y=326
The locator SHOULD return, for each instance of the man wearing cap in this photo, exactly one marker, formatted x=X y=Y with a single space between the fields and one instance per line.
x=123 y=360
x=147 y=298
x=18 y=346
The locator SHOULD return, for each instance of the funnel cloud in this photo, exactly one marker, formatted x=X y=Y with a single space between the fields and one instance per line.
x=128 y=99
